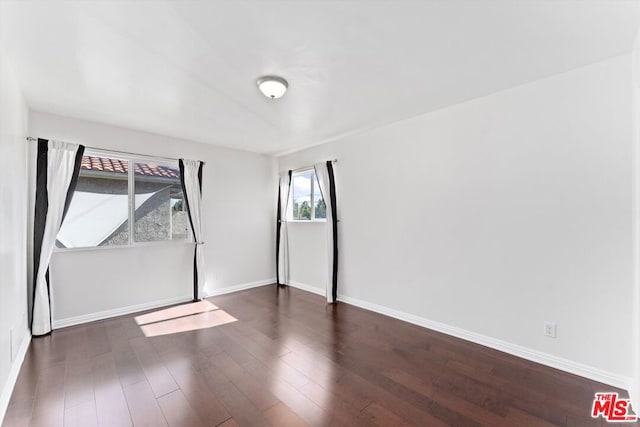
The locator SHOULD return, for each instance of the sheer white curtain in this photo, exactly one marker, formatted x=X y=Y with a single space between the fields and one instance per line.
x=282 y=239
x=61 y=162
x=191 y=176
x=324 y=172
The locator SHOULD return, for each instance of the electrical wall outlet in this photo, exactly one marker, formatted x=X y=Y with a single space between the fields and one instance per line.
x=550 y=329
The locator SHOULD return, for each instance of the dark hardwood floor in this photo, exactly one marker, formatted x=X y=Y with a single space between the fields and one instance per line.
x=289 y=359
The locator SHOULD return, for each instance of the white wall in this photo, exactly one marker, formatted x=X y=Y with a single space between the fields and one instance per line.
x=13 y=230
x=635 y=338
x=308 y=262
x=495 y=215
x=239 y=214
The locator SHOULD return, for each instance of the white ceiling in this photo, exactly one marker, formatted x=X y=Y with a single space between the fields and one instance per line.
x=188 y=68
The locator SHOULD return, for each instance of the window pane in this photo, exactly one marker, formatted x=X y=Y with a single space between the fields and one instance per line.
x=99 y=211
x=321 y=208
x=302 y=195
x=159 y=203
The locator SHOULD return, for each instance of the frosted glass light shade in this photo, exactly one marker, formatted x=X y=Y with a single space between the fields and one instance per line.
x=272 y=86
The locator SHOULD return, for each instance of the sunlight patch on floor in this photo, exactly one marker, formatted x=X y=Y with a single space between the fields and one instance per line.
x=174 y=312
x=182 y=318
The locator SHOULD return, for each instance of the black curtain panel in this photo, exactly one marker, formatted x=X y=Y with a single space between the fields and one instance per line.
x=282 y=205
x=40 y=214
x=334 y=230
x=195 y=228
x=326 y=180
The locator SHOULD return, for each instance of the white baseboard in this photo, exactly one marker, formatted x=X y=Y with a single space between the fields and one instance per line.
x=13 y=374
x=92 y=317
x=308 y=288
x=241 y=287
x=552 y=361
x=101 y=315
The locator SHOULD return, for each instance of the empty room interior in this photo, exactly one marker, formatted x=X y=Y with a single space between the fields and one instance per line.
x=319 y=213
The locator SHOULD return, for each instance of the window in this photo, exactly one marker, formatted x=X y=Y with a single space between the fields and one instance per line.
x=159 y=208
x=308 y=203
x=113 y=207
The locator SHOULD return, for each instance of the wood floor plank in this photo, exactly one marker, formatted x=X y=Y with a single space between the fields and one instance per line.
x=469 y=410
x=585 y=421
x=304 y=407
x=81 y=415
x=128 y=366
x=111 y=405
x=178 y=412
x=195 y=389
x=229 y=423
x=48 y=405
x=157 y=374
x=255 y=391
x=380 y=416
x=97 y=340
x=78 y=383
x=26 y=383
x=280 y=415
x=314 y=366
x=18 y=413
x=237 y=404
x=77 y=349
x=143 y=406
x=340 y=411
x=517 y=417
x=277 y=371
x=410 y=381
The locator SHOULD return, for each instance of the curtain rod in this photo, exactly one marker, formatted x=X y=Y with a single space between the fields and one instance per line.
x=309 y=167
x=32 y=139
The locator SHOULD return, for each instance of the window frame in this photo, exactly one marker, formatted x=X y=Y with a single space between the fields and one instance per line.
x=313 y=219
x=131 y=159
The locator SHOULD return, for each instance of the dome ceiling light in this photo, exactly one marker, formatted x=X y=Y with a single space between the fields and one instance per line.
x=272 y=86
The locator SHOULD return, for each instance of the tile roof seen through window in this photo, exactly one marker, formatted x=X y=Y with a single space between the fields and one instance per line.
x=106 y=164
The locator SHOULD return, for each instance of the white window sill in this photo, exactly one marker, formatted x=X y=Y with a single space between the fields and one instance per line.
x=306 y=221
x=130 y=246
